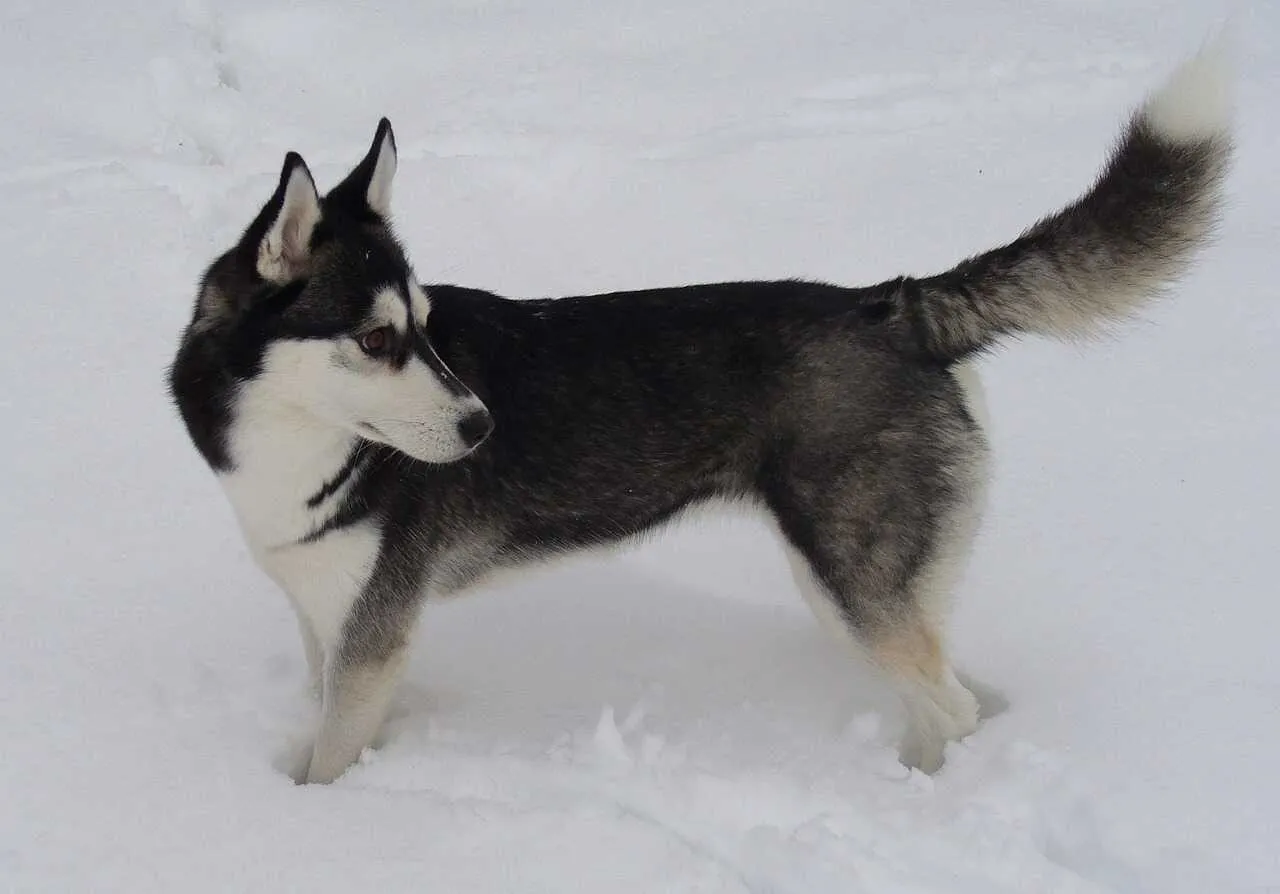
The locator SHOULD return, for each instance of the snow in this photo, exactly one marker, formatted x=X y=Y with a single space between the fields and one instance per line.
x=669 y=719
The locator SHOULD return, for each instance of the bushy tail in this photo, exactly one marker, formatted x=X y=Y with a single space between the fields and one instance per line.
x=1109 y=252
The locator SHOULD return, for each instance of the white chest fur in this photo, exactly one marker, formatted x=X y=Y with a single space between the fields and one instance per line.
x=282 y=459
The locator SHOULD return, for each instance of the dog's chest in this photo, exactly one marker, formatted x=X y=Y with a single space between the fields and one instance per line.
x=324 y=578
x=285 y=481
x=290 y=477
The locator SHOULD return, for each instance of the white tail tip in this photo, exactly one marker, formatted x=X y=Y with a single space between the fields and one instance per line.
x=1194 y=104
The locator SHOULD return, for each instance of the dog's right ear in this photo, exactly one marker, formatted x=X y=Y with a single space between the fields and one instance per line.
x=368 y=187
x=280 y=237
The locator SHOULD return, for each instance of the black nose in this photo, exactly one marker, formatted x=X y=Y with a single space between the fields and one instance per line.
x=475 y=427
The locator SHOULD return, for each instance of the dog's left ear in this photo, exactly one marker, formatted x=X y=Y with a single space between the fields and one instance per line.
x=280 y=237
x=368 y=186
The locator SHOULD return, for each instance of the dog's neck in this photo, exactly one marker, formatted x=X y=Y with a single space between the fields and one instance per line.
x=290 y=470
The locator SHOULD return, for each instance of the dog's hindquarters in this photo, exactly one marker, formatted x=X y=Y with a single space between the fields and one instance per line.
x=877 y=530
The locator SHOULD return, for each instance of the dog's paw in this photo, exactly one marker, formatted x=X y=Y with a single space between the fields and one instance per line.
x=295 y=761
x=324 y=772
x=922 y=753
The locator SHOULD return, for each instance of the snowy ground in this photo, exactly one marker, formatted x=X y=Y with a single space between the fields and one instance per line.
x=671 y=720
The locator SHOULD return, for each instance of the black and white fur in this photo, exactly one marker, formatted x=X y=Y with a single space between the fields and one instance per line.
x=347 y=411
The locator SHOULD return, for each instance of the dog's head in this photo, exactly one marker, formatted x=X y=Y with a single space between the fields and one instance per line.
x=322 y=311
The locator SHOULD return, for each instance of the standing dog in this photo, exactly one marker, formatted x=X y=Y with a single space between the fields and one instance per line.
x=384 y=442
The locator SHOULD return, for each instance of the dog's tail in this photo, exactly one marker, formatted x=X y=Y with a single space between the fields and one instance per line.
x=1102 y=257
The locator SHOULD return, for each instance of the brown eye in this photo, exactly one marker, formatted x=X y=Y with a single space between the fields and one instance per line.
x=376 y=342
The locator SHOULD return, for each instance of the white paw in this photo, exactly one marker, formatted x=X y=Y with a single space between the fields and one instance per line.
x=924 y=753
x=295 y=761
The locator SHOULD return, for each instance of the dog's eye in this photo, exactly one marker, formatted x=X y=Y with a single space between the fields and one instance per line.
x=376 y=342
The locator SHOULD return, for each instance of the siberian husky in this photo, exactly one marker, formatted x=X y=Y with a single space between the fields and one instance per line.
x=384 y=442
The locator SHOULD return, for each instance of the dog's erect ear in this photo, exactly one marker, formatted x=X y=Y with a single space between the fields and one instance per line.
x=368 y=186
x=290 y=219
x=377 y=194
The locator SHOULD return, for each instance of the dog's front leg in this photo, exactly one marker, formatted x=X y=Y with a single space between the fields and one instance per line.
x=356 y=697
x=359 y=679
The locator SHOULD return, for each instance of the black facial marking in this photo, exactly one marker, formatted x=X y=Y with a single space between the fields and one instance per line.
x=428 y=355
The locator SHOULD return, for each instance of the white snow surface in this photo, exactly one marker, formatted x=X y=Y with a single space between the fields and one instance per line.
x=667 y=719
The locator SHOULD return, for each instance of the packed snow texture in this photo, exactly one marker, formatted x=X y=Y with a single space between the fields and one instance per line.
x=670 y=718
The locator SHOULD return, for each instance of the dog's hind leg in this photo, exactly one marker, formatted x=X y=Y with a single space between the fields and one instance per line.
x=878 y=538
x=910 y=650
x=939 y=708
